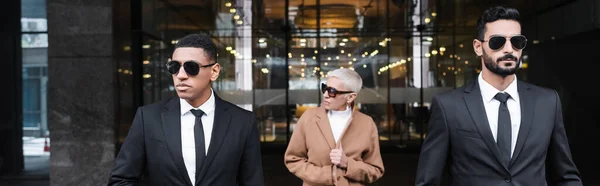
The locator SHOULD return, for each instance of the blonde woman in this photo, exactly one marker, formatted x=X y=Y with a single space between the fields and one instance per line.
x=336 y=144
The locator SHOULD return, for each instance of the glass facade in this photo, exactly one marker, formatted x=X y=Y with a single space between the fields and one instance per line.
x=274 y=54
x=34 y=47
x=34 y=42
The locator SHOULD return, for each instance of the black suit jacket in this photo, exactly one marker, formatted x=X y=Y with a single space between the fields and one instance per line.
x=460 y=136
x=153 y=146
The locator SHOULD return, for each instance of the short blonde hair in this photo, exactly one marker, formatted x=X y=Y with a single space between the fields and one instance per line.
x=351 y=80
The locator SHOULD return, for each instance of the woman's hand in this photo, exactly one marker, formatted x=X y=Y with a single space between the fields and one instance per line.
x=338 y=158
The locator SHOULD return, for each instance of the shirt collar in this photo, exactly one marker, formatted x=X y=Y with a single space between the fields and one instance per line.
x=488 y=91
x=208 y=107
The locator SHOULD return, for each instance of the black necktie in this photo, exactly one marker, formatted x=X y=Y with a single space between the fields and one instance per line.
x=199 y=140
x=504 y=127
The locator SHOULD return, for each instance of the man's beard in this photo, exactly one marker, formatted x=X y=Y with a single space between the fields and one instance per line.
x=501 y=71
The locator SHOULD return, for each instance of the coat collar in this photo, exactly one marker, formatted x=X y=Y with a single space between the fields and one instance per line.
x=322 y=121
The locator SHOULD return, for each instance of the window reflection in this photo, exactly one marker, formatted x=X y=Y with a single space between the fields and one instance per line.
x=34 y=41
x=274 y=55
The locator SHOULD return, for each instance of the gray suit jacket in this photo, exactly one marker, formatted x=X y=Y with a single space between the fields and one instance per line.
x=460 y=137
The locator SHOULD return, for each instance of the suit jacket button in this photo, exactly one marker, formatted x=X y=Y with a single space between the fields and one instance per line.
x=507 y=180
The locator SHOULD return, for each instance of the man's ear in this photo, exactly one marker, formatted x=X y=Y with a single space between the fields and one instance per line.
x=478 y=47
x=215 y=70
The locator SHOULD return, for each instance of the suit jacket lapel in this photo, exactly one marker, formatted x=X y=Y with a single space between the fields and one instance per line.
x=171 y=123
x=474 y=102
x=220 y=128
x=528 y=101
x=325 y=127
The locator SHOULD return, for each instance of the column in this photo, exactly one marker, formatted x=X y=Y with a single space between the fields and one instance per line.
x=81 y=92
x=11 y=155
x=243 y=45
x=419 y=51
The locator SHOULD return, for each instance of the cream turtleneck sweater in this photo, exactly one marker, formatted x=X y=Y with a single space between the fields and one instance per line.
x=338 y=121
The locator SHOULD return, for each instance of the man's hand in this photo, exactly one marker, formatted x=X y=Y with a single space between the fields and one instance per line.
x=338 y=158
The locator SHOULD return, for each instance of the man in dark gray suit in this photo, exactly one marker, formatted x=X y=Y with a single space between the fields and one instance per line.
x=195 y=139
x=497 y=130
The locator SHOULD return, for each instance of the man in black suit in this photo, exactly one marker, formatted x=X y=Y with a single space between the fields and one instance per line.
x=196 y=139
x=497 y=130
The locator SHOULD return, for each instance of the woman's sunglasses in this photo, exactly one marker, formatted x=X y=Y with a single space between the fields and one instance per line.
x=332 y=92
x=497 y=42
x=192 y=68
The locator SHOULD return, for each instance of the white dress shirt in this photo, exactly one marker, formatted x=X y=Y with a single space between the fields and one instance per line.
x=338 y=121
x=492 y=106
x=188 y=143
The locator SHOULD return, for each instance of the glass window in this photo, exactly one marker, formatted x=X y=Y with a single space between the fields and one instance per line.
x=274 y=54
x=34 y=42
x=33 y=9
x=34 y=25
x=31 y=102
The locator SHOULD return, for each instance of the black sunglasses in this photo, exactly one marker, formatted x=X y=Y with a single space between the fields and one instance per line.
x=332 y=92
x=497 y=42
x=191 y=67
